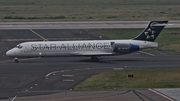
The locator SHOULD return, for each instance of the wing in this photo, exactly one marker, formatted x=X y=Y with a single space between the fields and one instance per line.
x=96 y=53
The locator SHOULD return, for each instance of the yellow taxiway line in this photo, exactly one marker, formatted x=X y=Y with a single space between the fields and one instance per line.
x=38 y=35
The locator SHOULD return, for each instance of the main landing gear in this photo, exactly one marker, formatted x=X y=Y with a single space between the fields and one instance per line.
x=16 y=60
x=94 y=58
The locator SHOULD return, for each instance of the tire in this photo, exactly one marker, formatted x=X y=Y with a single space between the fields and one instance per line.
x=16 y=61
x=94 y=58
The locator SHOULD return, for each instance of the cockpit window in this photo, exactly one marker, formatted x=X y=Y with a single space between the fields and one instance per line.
x=19 y=46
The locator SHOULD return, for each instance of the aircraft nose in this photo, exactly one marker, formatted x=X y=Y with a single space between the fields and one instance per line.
x=9 y=53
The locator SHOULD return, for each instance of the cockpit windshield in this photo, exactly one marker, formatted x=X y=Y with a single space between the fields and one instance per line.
x=18 y=46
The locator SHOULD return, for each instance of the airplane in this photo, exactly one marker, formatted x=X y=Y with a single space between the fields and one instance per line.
x=89 y=48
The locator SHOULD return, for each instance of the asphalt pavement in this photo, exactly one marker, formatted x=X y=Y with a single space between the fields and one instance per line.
x=55 y=78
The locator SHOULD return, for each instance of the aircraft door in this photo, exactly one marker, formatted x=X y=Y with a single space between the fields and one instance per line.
x=26 y=50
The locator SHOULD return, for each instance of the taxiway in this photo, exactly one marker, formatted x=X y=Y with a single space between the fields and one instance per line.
x=58 y=76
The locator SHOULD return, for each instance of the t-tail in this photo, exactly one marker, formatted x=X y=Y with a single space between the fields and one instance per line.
x=152 y=31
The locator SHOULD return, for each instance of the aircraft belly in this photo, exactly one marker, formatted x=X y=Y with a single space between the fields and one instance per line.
x=52 y=53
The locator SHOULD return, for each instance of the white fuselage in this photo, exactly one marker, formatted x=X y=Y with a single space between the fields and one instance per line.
x=73 y=48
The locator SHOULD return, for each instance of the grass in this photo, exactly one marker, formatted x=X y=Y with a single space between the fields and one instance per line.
x=168 y=40
x=157 y=78
x=88 y=10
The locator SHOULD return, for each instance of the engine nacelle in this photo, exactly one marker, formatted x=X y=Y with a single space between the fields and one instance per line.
x=125 y=48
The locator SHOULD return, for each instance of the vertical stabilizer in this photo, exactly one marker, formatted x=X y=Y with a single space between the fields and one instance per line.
x=152 y=31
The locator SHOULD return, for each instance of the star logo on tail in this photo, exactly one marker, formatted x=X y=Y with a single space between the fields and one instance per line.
x=149 y=34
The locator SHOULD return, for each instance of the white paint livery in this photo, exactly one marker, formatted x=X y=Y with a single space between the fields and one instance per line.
x=91 y=48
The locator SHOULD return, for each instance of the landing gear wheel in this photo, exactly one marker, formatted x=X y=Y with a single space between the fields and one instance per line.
x=16 y=60
x=94 y=58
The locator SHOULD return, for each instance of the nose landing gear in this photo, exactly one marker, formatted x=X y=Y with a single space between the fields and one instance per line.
x=16 y=60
